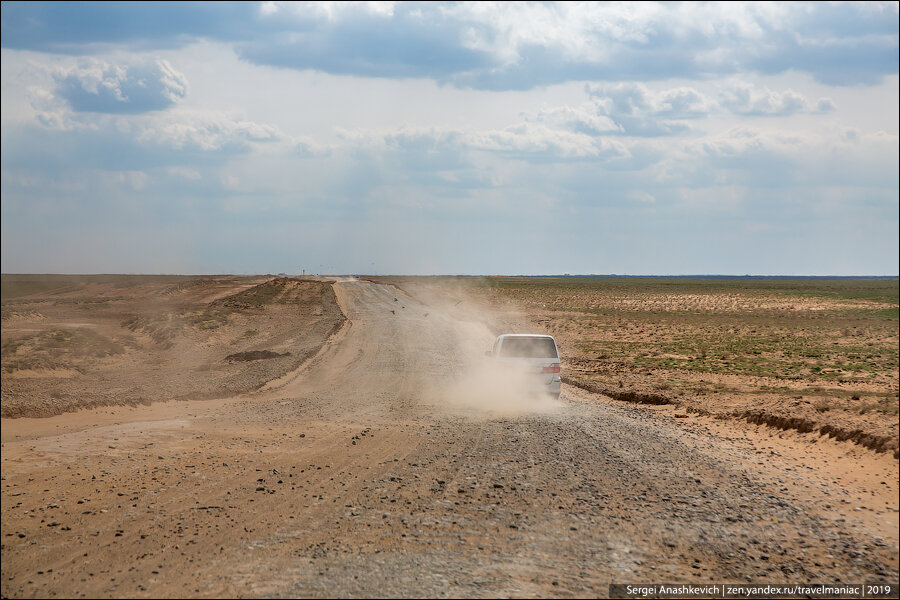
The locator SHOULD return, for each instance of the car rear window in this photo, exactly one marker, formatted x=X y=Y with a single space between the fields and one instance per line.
x=528 y=347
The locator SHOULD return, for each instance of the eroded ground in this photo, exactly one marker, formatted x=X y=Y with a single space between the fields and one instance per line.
x=73 y=342
x=358 y=475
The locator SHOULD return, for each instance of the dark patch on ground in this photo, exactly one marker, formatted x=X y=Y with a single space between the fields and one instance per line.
x=254 y=355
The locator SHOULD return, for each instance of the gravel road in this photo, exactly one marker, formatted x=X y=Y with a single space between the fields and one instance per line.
x=382 y=468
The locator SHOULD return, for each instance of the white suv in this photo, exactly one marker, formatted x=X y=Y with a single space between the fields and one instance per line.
x=533 y=355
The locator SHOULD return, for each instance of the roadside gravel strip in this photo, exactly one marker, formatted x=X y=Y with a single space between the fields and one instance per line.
x=361 y=476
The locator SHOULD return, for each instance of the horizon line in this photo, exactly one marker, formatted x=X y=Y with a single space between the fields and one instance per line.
x=358 y=274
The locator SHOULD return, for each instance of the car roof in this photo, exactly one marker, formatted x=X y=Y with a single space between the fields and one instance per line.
x=534 y=335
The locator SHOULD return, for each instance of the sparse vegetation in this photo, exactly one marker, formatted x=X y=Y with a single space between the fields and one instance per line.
x=56 y=348
x=722 y=345
x=839 y=330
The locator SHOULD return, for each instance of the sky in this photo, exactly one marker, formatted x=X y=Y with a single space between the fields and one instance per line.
x=450 y=138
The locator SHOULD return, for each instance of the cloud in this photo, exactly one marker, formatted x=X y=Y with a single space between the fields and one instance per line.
x=652 y=146
x=744 y=99
x=410 y=41
x=329 y=10
x=184 y=172
x=623 y=126
x=97 y=86
x=784 y=161
x=747 y=157
x=137 y=105
x=586 y=119
x=637 y=111
x=208 y=133
x=493 y=46
x=428 y=149
x=90 y=27
x=133 y=143
x=682 y=103
x=535 y=141
x=641 y=196
x=309 y=148
x=824 y=105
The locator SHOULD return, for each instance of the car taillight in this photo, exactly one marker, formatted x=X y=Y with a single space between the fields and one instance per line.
x=551 y=369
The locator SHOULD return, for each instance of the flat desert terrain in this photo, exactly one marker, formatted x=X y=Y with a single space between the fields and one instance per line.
x=228 y=436
x=813 y=355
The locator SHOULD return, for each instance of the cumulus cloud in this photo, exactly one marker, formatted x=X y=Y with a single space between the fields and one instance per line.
x=634 y=99
x=531 y=140
x=259 y=144
x=824 y=105
x=634 y=109
x=101 y=87
x=208 y=133
x=742 y=142
x=744 y=99
x=495 y=46
x=609 y=129
x=424 y=141
x=682 y=103
x=191 y=142
x=307 y=147
x=586 y=119
x=638 y=111
x=367 y=39
x=121 y=105
x=536 y=141
x=330 y=11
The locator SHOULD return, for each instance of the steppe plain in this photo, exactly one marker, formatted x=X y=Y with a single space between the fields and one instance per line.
x=804 y=354
x=269 y=436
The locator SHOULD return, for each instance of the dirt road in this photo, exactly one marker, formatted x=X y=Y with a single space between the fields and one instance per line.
x=381 y=468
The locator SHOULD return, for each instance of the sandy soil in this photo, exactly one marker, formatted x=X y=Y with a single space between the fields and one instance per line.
x=72 y=342
x=359 y=475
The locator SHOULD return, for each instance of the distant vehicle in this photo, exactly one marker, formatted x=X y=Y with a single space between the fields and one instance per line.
x=535 y=355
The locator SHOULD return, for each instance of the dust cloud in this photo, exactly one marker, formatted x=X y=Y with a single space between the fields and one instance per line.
x=476 y=385
x=492 y=390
